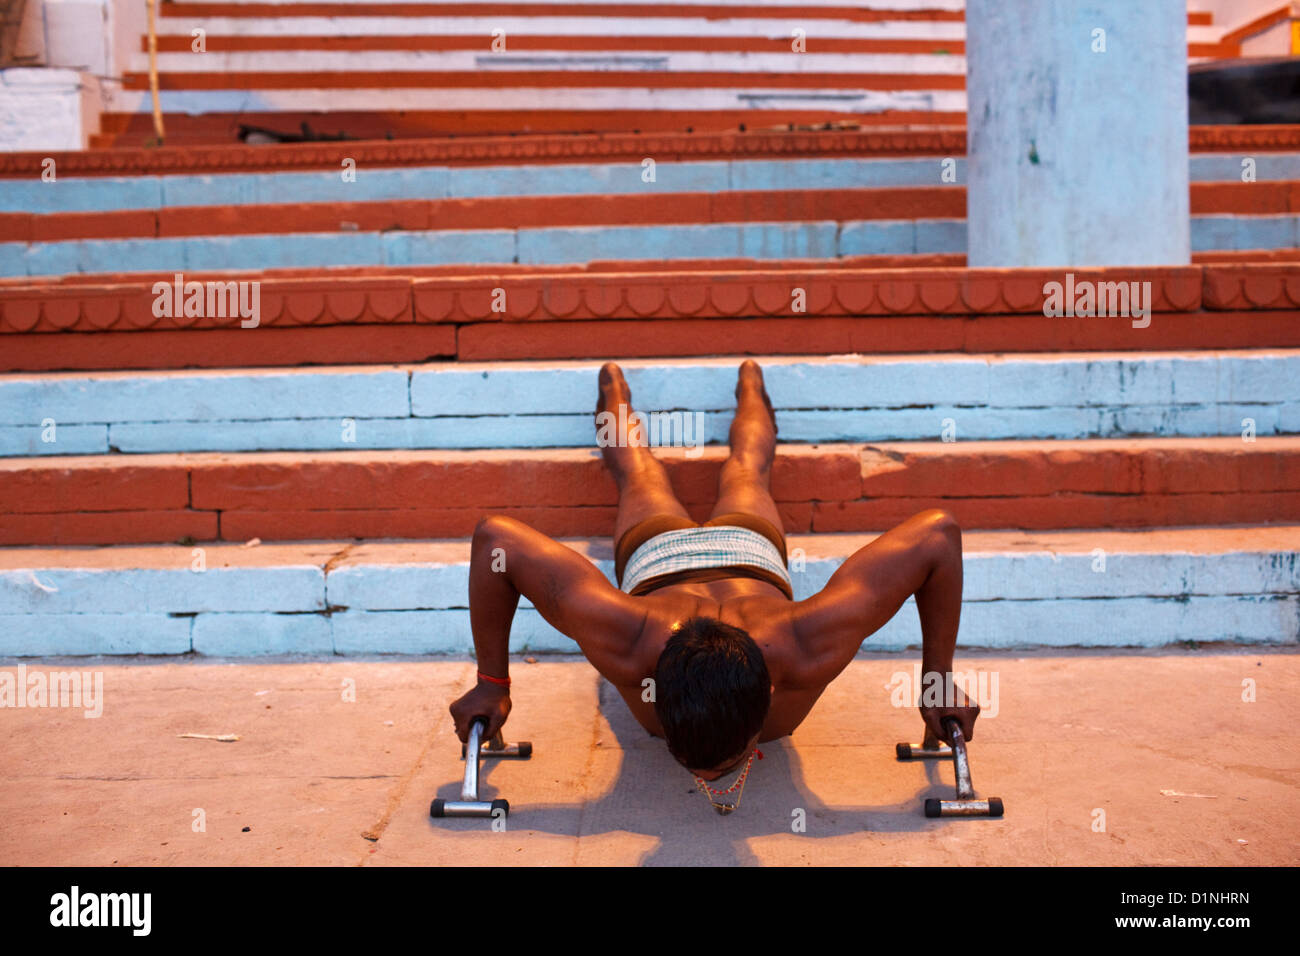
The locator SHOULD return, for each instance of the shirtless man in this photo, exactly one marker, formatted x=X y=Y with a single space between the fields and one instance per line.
x=707 y=611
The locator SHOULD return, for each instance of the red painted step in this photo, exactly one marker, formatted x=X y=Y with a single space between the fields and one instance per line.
x=601 y=10
x=601 y=43
x=135 y=130
x=543 y=79
x=599 y=314
x=291 y=496
x=742 y=139
x=524 y=212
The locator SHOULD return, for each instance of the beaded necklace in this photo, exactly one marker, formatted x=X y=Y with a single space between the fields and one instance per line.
x=725 y=808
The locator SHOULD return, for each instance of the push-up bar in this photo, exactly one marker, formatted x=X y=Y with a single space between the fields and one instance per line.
x=965 y=805
x=469 y=805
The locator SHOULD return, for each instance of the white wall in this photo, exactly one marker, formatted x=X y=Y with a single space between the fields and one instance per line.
x=96 y=36
x=77 y=35
x=1077 y=157
x=47 y=109
x=86 y=44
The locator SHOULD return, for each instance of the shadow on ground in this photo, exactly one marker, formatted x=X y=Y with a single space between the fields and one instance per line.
x=650 y=788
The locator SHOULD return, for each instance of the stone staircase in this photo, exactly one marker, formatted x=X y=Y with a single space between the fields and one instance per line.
x=375 y=69
x=430 y=314
x=560 y=202
x=1120 y=483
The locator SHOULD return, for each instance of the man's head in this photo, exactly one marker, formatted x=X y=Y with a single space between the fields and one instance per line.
x=712 y=693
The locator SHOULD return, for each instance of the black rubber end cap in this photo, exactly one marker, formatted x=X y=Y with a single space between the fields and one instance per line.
x=995 y=806
x=933 y=808
x=525 y=749
x=502 y=805
x=903 y=751
x=435 y=808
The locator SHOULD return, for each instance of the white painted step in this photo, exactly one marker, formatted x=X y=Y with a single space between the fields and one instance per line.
x=650 y=61
x=508 y=179
x=1022 y=589
x=549 y=404
x=563 y=245
x=524 y=98
x=90 y=194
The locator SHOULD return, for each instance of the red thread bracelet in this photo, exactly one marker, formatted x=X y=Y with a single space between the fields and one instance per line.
x=503 y=681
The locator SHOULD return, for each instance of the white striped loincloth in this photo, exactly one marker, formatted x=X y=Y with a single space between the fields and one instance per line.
x=712 y=546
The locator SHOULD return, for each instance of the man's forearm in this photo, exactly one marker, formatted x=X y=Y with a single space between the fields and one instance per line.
x=938 y=601
x=937 y=652
x=493 y=599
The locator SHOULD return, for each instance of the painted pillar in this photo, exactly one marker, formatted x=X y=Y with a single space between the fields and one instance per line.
x=1077 y=132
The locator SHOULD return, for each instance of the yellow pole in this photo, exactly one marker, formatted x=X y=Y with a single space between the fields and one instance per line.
x=153 y=70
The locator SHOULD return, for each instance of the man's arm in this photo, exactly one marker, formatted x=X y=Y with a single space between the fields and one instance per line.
x=921 y=557
x=507 y=559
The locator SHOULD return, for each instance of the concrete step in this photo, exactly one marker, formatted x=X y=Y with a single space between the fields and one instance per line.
x=559 y=87
x=540 y=246
x=1022 y=589
x=555 y=61
x=514 y=212
x=366 y=69
x=395 y=234
x=239 y=49
x=1216 y=185
x=1101 y=483
x=1217 y=155
x=597 y=268
x=134 y=130
x=616 y=177
x=388 y=316
x=549 y=404
x=538 y=35
x=1231 y=215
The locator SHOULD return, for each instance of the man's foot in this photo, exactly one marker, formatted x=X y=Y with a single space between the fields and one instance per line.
x=614 y=392
x=619 y=436
x=749 y=384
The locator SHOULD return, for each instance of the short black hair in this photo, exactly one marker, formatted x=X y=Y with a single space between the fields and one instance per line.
x=712 y=692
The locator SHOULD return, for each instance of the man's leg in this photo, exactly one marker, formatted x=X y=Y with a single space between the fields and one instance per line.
x=744 y=484
x=643 y=486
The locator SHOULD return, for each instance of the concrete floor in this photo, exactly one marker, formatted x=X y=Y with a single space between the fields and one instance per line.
x=1186 y=772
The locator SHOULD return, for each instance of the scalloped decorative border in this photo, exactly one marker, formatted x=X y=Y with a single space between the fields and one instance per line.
x=630 y=147
x=128 y=307
x=402 y=300
x=1251 y=286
